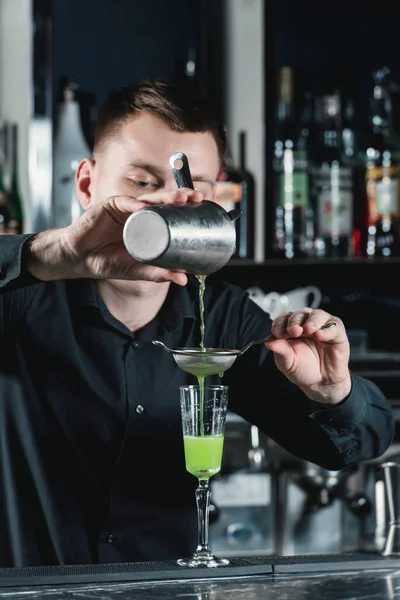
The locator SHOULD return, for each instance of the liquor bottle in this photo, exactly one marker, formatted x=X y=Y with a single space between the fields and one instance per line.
x=70 y=147
x=345 y=81
x=353 y=158
x=246 y=223
x=382 y=175
x=3 y=193
x=228 y=190
x=14 y=202
x=293 y=229
x=235 y=189
x=348 y=131
x=333 y=184
x=3 y=214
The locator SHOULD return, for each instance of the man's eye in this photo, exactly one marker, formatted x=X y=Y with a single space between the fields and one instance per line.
x=143 y=184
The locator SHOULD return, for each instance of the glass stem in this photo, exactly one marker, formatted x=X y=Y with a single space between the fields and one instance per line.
x=203 y=496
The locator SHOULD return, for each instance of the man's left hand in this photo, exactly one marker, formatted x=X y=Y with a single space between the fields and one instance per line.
x=315 y=359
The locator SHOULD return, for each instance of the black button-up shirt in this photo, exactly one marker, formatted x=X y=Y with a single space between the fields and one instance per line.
x=91 y=453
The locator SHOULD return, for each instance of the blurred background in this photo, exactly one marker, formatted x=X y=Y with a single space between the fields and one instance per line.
x=310 y=94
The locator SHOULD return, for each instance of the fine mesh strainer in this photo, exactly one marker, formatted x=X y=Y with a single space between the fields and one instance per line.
x=211 y=361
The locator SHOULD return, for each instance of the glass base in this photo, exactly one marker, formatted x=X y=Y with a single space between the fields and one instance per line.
x=203 y=559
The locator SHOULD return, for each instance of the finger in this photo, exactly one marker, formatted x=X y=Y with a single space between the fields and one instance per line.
x=279 y=326
x=126 y=205
x=317 y=320
x=175 y=197
x=160 y=275
x=297 y=320
x=172 y=276
x=304 y=322
x=123 y=204
x=144 y=272
x=193 y=195
x=332 y=331
x=283 y=353
x=329 y=325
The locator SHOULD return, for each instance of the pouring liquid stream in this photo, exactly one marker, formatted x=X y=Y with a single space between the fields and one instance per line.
x=200 y=378
x=202 y=286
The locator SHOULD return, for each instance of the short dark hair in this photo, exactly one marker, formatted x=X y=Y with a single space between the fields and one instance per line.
x=182 y=105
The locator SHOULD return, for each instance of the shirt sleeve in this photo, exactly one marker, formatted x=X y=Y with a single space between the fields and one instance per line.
x=363 y=426
x=13 y=274
x=17 y=285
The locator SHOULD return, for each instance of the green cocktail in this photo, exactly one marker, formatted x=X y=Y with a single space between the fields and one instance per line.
x=203 y=411
x=203 y=454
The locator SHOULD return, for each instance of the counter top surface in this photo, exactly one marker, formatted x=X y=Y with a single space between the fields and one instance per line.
x=356 y=585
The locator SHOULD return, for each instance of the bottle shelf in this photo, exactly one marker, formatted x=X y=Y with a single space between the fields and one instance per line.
x=347 y=280
x=284 y=262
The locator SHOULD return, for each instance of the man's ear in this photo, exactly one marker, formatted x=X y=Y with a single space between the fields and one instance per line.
x=83 y=181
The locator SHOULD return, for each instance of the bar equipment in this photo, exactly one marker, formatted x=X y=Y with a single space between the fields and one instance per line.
x=391 y=471
x=211 y=361
x=197 y=237
x=256 y=453
x=70 y=147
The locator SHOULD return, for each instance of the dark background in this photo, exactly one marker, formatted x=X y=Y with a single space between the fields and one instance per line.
x=105 y=44
x=319 y=35
x=109 y=43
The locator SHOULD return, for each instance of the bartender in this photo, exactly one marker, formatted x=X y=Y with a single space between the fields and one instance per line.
x=91 y=451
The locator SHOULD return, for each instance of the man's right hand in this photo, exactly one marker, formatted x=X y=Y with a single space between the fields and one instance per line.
x=92 y=246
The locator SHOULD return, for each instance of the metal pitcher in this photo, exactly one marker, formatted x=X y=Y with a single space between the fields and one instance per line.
x=198 y=238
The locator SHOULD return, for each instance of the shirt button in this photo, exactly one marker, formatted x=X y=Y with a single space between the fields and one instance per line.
x=135 y=345
x=139 y=409
x=111 y=539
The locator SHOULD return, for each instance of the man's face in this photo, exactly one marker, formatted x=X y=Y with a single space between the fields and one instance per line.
x=135 y=160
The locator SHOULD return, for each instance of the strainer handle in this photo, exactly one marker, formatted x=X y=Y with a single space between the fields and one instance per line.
x=259 y=341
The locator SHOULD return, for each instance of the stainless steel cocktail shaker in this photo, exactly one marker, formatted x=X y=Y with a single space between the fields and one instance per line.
x=198 y=238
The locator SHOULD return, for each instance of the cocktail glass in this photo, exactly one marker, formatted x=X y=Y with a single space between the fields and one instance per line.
x=203 y=410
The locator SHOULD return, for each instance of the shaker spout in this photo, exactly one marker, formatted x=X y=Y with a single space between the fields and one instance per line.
x=235 y=213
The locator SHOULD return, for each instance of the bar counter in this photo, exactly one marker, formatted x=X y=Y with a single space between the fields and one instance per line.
x=337 y=577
